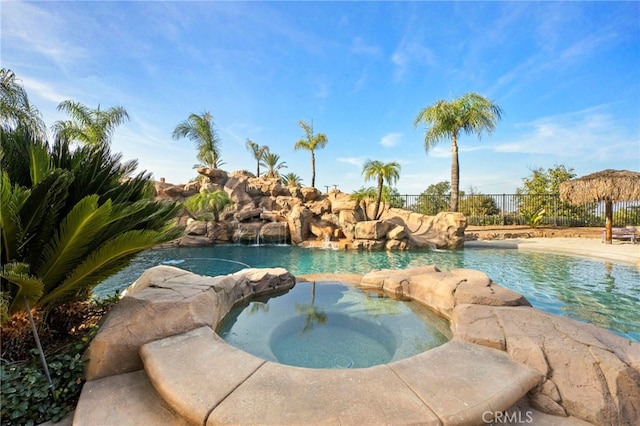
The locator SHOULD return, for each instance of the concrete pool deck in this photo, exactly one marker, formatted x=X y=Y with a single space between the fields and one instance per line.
x=620 y=251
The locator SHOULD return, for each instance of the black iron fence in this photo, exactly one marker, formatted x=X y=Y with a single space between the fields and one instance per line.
x=525 y=209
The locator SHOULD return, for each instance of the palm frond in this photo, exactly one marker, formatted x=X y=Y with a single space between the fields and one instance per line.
x=24 y=285
x=41 y=213
x=76 y=232
x=11 y=199
x=39 y=162
x=100 y=264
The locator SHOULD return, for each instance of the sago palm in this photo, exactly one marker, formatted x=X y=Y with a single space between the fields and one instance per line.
x=65 y=239
x=471 y=114
x=311 y=142
x=199 y=129
x=389 y=172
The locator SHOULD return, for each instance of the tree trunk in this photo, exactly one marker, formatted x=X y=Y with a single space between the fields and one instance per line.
x=313 y=169
x=378 y=198
x=455 y=174
x=608 y=212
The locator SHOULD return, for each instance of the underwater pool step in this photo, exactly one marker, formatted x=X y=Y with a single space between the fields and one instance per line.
x=209 y=382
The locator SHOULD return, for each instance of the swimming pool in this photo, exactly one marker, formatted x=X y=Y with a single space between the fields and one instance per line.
x=600 y=292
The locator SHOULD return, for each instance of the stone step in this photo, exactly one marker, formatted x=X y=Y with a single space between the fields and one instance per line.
x=206 y=381
x=123 y=399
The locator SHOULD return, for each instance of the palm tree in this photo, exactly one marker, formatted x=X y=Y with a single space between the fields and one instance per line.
x=292 y=180
x=273 y=163
x=199 y=128
x=214 y=202
x=258 y=153
x=93 y=127
x=311 y=142
x=15 y=109
x=389 y=172
x=471 y=113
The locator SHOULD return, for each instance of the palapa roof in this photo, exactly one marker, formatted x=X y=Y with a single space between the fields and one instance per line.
x=607 y=185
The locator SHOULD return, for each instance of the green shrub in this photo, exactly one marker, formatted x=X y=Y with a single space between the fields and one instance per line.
x=26 y=398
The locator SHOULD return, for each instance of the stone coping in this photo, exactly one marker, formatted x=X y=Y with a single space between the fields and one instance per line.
x=504 y=353
x=452 y=384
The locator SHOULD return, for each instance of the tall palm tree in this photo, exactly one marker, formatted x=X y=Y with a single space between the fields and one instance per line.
x=199 y=128
x=273 y=163
x=471 y=114
x=15 y=109
x=389 y=172
x=93 y=127
x=310 y=143
x=258 y=153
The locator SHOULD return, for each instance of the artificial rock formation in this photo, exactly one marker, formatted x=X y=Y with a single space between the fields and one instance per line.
x=157 y=359
x=587 y=372
x=307 y=216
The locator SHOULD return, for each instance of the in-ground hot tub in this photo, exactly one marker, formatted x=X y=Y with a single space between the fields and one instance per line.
x=333 y=325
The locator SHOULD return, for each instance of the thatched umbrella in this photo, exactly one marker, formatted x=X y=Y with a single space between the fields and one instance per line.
x=610 y=186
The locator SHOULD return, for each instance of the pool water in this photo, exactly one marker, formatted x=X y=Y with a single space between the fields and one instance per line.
x=332 y=325
x=596 y=291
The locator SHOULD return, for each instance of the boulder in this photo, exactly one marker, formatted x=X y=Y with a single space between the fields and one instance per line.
x=249 y=213
x=397 y=233
x=247 y=232
x=371 y=230
x=299 y=220
x=319 y=207
x=196 y=227
x=341 y=201
x=219 y=232
x=191 y=188
x=309 y=194
x=266 y=186
x=216 y=176
x=236 y=188
x=443 y=231
x=274 y=233
x=166 y=301
x=321 y=229
x=584 y=376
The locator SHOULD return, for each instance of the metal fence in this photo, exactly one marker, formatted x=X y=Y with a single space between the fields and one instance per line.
x=522 y=209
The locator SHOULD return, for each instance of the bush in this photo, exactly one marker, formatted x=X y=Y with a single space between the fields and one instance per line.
x=25 y=393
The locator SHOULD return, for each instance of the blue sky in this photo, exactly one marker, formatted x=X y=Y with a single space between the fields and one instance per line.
x=567 y=76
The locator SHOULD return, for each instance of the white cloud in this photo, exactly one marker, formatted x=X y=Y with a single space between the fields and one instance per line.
x=359 y=46
x=409 y=53
x=391 y=139
x=582 y=134
x=356 y=161
x=45 y=91
x=19 y=21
